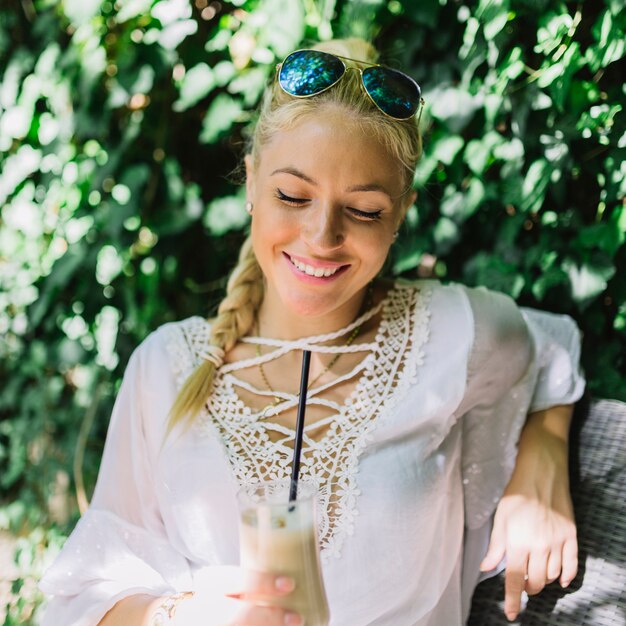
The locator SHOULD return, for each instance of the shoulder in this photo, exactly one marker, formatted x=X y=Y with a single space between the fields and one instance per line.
x=446 y=303
x=487 y=319
x=502 y=347
x=497 y=319
x=176 y=347
x=429 y=288
x=487 y=324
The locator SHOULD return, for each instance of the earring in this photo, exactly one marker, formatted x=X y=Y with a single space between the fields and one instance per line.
x=249 y=208
x=395 y=235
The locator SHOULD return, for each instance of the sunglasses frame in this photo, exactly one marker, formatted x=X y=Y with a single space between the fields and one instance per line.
x=420 y=104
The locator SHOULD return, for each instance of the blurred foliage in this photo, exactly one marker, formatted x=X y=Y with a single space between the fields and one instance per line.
x=122 y=122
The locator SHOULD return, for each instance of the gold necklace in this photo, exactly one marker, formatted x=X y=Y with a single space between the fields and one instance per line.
x=353 y=335
x=334 y=360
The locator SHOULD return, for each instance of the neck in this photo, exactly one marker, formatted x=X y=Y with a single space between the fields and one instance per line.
x=275 y=321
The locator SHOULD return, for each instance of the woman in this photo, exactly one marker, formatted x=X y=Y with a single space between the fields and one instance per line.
x=417 y=396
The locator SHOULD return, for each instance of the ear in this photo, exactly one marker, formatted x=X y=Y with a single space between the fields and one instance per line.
x=249 y=177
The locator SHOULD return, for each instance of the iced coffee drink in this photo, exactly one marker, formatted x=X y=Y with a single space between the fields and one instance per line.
x=281 y=538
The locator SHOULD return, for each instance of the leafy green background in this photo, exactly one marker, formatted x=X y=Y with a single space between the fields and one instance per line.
x=121 y=124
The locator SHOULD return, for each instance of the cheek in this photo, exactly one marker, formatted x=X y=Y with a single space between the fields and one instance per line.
x=269 y=232
x=273 y=223
x=375 y=245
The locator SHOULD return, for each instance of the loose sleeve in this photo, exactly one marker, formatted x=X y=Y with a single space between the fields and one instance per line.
x=119 y=547
x=522 y=360
x=556 y=341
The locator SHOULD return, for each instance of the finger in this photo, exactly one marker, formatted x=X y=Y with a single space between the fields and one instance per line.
x=261 y=585
x=495 y=552
x=514 y=582
x=555 y=562
x=268 y=616
x=570 y=562
x=537 y=568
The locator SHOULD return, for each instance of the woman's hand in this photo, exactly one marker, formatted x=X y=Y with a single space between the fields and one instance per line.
x=229 y=596
x=534 y=523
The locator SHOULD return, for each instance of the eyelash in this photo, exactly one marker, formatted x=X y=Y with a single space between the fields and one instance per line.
x=364 y=215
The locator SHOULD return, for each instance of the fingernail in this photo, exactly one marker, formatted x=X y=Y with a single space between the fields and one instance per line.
x=284 y=583
x=511 y=616
x=565 y=583
x=293 y=619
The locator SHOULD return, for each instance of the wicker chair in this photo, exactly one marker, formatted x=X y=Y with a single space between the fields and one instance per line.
x=597 y=596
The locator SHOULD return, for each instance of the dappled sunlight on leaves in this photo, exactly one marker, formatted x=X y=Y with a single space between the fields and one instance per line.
x=121 y=127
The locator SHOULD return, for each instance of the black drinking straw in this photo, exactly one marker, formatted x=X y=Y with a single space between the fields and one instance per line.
x=297 y=444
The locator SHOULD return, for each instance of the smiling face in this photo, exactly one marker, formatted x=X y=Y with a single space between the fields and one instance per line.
x=328 y=198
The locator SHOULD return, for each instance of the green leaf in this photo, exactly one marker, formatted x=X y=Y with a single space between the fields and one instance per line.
x=225 y=214
x=535 y=185
x=79 y=12
x=171 y=11
x=492 y=272
x=446 y=234
x=453 y=106
x=513 y=66
x=174 y=34
x=130 y=9
x=478 y=152
x=587 y=280
x=496 y=22
x=447 y=148
x=281 y=25
x=549 y=74
x=250 y=84
x=553 y=28
x=62 y=272
x=222 y=114
x=551 y=278
x=611 y=42
x=197 y=83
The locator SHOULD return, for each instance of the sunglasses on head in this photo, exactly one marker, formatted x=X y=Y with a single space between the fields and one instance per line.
x=306 y=73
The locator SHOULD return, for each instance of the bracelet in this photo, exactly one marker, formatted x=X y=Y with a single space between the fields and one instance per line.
x=167 y=609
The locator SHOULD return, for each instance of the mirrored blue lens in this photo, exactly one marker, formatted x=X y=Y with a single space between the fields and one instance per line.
x=309 y=72
x=392 y=91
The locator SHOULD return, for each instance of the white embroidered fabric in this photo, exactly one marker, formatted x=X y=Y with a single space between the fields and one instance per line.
x=384 y=376
x=410 y=466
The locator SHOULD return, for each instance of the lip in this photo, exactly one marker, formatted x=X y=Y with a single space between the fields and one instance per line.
x=315 y=280
x=326 y=265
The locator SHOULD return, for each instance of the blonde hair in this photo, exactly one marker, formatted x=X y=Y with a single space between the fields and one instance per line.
x=235 y=317
x=280 y=111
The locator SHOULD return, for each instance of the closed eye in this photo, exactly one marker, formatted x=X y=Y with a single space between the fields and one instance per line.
x=289 y=199
x=365 y=215
x=361 y=215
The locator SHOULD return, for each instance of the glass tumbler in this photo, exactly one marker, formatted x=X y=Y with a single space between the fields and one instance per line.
x=280 y=537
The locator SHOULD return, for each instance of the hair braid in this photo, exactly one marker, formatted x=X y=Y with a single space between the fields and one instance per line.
x=235 y=317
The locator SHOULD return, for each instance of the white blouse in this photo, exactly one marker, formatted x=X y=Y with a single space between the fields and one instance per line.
x=410 y=470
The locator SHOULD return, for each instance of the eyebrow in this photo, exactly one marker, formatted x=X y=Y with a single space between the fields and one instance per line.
x=370 y=187
x=294 y=172
x=355 y=188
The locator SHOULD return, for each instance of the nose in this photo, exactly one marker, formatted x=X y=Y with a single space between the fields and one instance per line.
x=324 y=228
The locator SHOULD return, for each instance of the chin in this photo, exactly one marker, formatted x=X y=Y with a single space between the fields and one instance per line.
x=311 y=307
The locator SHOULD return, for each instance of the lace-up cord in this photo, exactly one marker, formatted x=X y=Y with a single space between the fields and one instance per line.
x=305 y=343
x=278 y=399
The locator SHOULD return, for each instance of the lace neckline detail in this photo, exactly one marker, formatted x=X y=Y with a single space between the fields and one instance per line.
x=384 y=377
x=282 y=347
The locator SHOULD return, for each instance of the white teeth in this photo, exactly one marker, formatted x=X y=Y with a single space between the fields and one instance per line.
x=312 y=271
